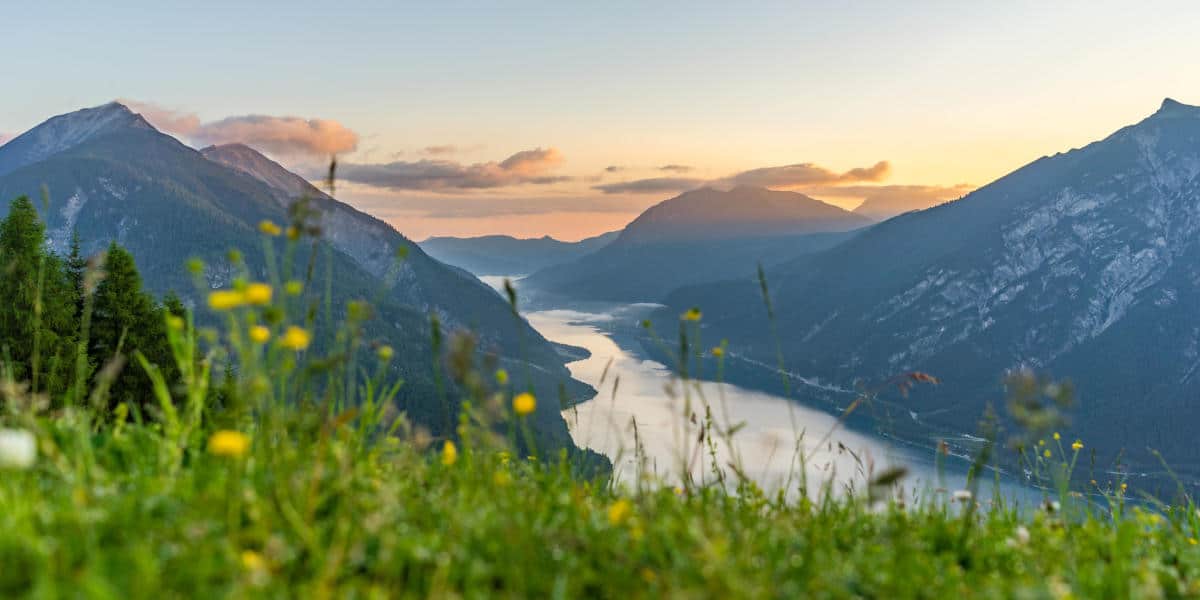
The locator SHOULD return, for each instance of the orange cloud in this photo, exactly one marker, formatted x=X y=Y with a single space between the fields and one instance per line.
x=525 y=167
x=807 y=174
x=788 y=176
x=281 y=136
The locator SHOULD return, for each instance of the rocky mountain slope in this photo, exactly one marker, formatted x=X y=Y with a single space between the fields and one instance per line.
x=111 y=176
x=1084 y=265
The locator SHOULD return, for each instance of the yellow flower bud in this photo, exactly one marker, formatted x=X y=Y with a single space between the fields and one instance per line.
x=524 y=403
x=449 y=453
x=258 y=294
x=253 y=561
x=222 y=300
x=619 y=511
x=269 y=228
x=260 y=334
x=228 y=443
x=296 y=338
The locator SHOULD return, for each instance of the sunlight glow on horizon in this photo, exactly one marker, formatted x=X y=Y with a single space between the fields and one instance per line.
x=948 y=94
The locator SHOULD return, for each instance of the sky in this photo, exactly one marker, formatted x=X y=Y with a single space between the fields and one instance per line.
x=567 y=119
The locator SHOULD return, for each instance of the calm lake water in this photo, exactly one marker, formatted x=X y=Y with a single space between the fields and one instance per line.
x=778 y=440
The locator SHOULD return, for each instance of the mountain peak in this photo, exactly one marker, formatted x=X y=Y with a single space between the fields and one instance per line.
x=67 y=131
x=1172 y=108
x=742 y=212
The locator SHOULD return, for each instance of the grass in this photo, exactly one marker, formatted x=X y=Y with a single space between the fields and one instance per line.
x=301 y=480
x=318 y=513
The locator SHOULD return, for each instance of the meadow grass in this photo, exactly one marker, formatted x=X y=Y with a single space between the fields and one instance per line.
x=300 y=479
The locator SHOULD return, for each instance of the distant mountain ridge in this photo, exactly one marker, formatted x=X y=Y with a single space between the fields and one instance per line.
x=507 y=255
x=1085 y=265
x=113 y=177
x=287 y=184
x=698 y=236
x=742 y=212
x=884 y=207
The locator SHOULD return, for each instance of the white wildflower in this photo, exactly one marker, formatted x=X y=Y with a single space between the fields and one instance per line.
x=18 y=449
x=1022 y=534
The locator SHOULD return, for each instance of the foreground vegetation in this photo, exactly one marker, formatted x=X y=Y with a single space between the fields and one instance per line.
x=292 y=473
x=307 y=505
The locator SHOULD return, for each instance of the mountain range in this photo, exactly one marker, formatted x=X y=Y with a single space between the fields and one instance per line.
x=700 y=236
x=114 y=177
x=1082 y=265
x=506 y=255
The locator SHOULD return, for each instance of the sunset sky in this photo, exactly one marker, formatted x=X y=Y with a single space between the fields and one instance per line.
x=539 y=118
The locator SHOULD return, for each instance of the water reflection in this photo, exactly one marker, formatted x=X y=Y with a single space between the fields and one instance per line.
x=778 y=443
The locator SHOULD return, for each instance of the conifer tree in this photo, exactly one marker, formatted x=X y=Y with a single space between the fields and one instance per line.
x=76 y=266
x=37 y=311
x=126 y=319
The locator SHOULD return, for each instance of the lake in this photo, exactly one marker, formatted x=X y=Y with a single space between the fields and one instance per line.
x=779 y=443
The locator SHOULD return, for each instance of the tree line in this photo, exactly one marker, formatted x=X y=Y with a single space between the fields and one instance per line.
x=70 y=325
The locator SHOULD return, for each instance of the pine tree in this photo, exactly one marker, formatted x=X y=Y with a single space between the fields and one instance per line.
x=126 y=319
x=37 y=312
x=76 y=267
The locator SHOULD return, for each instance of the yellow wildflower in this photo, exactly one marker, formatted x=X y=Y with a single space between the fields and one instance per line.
x=1046 y=453
x=1193 y=541
x=501 y=377
x=269 y=228
x=1077 y=446
x=1056 y=436
x=221 y=300
x=293 y=288
x=253 y=561
x=260 y=334
x=296 y=338
x=524 y=403
x=258 y=294
x=385 y=353
x=1041 y=442
x=449 y=453
x=1124 y=487
x=293 y=233
x=228 y=443
x=693 y=314
x=718 y=352
x=619 y=511
x=175 y=322
x=501 y=478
